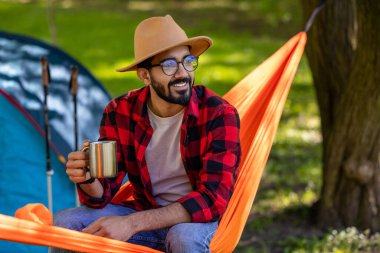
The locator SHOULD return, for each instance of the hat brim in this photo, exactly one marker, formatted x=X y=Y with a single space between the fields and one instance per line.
x=198 y=45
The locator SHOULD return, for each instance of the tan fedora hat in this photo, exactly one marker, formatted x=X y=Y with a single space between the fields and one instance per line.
x=158 y=34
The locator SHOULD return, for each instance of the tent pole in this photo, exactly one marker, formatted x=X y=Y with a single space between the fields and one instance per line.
x=49 y=171
x=74 y=92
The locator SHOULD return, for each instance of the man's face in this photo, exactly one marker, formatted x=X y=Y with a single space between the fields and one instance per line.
x=174 y=89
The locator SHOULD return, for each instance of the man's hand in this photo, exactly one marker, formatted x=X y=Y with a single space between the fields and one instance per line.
x=76 y=166
x=123 y=227
x=76 y=169
x=115 y=227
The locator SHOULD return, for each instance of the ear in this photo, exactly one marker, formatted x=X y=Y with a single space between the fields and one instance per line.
x=144 y=75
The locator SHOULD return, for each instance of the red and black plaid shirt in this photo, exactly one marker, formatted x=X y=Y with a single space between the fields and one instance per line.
x=210 y=150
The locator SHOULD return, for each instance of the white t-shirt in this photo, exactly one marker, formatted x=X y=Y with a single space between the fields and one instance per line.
x=163 y=157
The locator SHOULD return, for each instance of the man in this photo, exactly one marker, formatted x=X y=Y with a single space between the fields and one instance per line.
x=178 y=144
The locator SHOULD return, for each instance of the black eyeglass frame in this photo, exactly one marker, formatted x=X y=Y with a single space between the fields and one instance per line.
x=178 y=62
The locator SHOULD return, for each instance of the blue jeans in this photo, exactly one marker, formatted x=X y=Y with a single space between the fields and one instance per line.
x=180 y=238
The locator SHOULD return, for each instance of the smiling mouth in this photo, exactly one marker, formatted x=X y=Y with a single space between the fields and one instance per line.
x=180 y=85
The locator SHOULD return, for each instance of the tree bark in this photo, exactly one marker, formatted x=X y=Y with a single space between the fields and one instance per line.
x=344 y=55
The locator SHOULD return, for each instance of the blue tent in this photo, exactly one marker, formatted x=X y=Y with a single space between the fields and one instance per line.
x=22 y=157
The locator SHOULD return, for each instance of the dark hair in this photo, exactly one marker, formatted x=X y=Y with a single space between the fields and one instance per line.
x=146 y=63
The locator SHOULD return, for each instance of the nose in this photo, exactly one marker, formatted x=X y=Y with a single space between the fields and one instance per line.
x=181 y=72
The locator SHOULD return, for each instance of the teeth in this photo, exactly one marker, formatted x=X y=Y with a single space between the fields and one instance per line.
x=180 y=84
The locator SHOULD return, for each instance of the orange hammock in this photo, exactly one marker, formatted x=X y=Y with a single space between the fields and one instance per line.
x=259 y=98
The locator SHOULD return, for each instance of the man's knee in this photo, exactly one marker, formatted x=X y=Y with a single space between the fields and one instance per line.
x=190 y=237
x=69 y=218
x=179 y=240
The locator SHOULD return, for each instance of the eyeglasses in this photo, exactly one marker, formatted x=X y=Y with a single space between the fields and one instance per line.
x=170 y=66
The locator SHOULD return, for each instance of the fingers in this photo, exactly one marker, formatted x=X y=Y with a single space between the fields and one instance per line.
x=101 y=232
x=76 y=172
x=93 y=227
x=77 y=169
x=98 y=228
x=77 y=164
x=78 y=155
x=78 y=175
x=114 y=227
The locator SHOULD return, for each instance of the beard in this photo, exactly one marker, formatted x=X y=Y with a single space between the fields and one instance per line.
x=181 y=97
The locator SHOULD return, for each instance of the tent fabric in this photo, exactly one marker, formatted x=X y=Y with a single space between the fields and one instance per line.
x=259 y=98
x=22 y=167
x=20 y=77
x=22 y=138
x=20 y=85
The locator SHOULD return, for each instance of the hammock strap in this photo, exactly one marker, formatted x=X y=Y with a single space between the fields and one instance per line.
x=314 y=14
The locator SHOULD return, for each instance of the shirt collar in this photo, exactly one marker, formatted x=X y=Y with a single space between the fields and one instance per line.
x=192 y=108
x=139 y=109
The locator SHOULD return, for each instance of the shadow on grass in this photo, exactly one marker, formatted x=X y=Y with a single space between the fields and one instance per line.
x=283 y=208
x=268 y=233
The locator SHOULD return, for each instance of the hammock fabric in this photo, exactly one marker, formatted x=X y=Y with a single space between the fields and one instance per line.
x=259 y=98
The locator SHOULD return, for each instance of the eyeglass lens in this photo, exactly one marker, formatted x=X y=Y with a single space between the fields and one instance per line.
x=170 y=66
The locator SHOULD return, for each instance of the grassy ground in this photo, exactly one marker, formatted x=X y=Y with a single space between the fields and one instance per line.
x=100 y=35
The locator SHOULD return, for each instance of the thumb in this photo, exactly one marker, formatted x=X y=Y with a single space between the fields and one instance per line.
x=85 y=143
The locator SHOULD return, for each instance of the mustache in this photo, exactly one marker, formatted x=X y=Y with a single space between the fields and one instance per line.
x=182 y=80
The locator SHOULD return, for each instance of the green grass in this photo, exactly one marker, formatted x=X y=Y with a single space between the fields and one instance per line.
x=100 y=35
x=349 y=240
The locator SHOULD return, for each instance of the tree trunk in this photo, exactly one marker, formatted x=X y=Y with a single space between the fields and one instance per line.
x=50 y=9
x=343 y=50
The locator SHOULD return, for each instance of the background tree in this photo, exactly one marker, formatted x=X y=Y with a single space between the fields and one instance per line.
x=50 y=11
x=343 y=50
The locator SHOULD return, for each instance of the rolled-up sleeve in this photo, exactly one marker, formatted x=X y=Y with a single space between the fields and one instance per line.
x=107 y=131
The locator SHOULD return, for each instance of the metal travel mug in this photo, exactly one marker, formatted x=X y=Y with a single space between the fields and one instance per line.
x=102 y=159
